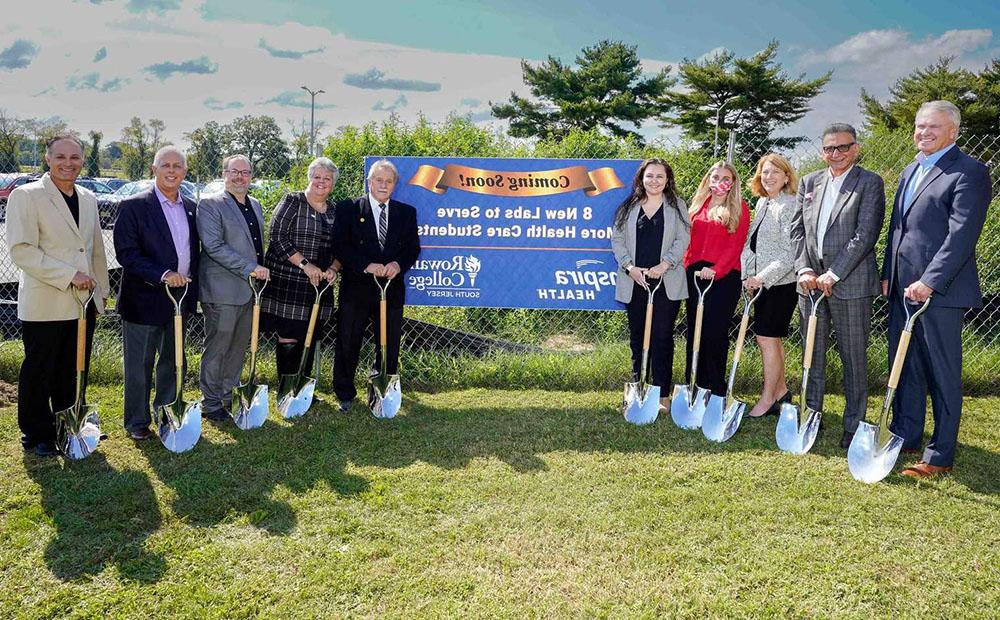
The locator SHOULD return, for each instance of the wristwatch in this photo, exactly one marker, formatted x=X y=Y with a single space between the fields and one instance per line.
x=303 y=263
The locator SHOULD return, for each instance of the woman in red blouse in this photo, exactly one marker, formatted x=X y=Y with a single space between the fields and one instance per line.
x=720 y=220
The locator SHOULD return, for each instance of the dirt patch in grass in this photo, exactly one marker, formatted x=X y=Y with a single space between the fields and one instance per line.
x=8 y=394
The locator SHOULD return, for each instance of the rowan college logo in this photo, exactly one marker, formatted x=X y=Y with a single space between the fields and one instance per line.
x=472 y=267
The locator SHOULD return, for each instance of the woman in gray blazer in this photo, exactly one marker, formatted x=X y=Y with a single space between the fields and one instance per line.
x=768 y=262
x=650 y=234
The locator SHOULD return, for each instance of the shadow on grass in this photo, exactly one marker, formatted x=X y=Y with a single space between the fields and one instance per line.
x=102 y=517
x=236 y=477
x=518 y=434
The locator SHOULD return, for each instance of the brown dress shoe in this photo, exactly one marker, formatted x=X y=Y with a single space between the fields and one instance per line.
x=141 y=434
x=925 y=470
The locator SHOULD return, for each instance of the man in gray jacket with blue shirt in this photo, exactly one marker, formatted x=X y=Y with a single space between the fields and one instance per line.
x=837 y=220
x=231 y=227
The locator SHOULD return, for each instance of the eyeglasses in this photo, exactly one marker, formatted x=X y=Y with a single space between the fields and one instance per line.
x=843 y=148
x=239 y=173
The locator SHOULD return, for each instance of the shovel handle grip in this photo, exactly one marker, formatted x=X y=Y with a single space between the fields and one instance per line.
x=81 y=344
x=897 y=361
x=382 y=322
x=807 y=361
x=254 y=328
x=699 y=315
x=312 y=323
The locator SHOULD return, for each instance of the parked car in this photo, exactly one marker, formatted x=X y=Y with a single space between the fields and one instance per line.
x=107 y=204
x=10 y=182
x=94 y=185
x=113 y=182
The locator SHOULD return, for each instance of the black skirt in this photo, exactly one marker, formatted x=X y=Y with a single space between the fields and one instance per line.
x=772 y=312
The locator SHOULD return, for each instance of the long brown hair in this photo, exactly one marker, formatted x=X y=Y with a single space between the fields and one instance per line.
x=638 y=193
x=729 y=212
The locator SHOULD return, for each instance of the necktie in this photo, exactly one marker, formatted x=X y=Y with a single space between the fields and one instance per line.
x=383 y=224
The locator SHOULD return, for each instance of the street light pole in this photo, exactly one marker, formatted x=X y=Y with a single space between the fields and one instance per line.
x=312 y=118
x=715 y=145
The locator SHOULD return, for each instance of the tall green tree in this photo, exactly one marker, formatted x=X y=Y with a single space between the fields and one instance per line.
x=12 y=132
x=755 y=95
x=976 y=95
x=259 y=138
x=94 y=154
x=209 y=144
x=139 y=142
x=605 y=90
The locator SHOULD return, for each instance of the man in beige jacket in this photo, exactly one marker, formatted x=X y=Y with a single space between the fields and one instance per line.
x=54 y=237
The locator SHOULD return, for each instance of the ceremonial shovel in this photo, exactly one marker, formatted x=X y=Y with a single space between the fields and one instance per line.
x=723 y=416
x=688 y=405
x=642 y=400
x=252 y=399
x=78 y=427
x=179 y=422
x=797 y=426
x=874 y=449
x=384 y=394
x=296 y=391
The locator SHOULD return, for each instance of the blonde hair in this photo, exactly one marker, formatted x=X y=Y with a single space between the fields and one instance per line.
x=729 y=212
x=757 y=188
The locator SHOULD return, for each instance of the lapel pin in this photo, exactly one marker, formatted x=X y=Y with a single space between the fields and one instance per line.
x=362 y=219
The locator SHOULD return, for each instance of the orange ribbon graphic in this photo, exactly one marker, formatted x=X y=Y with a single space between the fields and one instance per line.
x=504 y=183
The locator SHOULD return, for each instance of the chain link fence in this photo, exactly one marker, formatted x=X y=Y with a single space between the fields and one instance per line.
x=493 y=347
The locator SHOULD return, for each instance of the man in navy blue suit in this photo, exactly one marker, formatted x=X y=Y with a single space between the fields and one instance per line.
x=937 y=217
x=156 y=242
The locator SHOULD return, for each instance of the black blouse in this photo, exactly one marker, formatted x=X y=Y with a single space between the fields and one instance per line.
x=648 y=238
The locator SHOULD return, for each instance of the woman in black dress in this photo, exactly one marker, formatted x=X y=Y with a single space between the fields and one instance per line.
x=301 y=255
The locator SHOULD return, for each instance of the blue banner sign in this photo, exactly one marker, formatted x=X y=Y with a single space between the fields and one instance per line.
x=513 y=233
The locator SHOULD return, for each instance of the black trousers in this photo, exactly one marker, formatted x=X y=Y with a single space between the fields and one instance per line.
x=661 y=337
x=720 y=305
x=47 y=382
x=359 y=307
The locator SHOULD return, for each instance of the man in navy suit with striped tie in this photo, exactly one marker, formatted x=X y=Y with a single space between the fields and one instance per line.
x=937 y=217
x=374 y=236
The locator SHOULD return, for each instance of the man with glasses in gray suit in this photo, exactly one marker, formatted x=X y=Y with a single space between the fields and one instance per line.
x=837 y=220
x=231 y=227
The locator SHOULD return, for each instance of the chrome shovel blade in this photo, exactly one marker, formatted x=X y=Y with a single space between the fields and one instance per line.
x=868 y=461
x=720 y=424
x=789 y=436
x=180 y=430
x=296 y=403
x=79 y=436
x=385 y=396
x=685 y=411
x=642 y=403
x=253 y=412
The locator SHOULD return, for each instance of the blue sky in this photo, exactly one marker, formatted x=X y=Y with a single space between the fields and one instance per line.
x=96 y=63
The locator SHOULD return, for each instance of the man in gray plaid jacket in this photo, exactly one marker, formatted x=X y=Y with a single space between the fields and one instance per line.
x=837 y=220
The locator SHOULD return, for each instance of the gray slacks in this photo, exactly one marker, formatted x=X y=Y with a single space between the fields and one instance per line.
x=227 y=338
x=852 y=322
x=144 y=345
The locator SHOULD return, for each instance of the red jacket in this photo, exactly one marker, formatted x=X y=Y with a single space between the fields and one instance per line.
x=713 y=243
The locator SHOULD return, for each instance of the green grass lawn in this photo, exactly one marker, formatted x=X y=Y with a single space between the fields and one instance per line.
x=513 y=504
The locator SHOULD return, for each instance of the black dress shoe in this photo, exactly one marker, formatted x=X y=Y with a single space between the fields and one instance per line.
x=219 y=415
x=45 y=449
x=775 y=407
x=845 y=439
x=345 y=405
x=141 y=434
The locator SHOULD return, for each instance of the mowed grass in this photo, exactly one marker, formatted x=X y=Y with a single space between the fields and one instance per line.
x=510 y=504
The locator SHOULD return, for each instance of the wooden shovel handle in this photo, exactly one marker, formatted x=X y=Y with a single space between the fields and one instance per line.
x=382 y=311
x=312 y=323
x=807 y=362
x=647 y=330
x=81 y=344
x=178 y=342
x=744 y=323
x=897 y=361
x=698 y=316
x=254 y=328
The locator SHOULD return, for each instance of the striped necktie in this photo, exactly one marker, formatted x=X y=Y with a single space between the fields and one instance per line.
x=383 y=224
